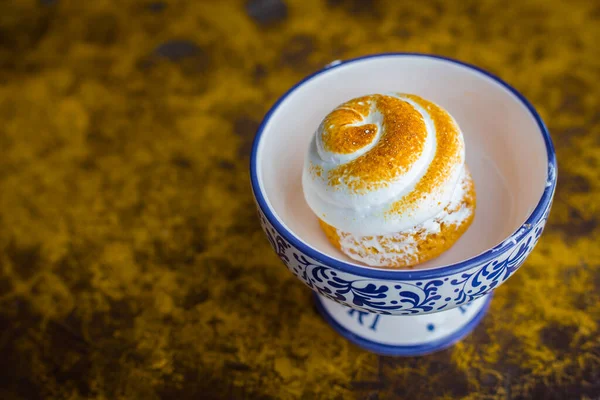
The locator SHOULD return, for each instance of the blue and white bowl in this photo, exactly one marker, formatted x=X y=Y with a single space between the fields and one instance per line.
x=512 y=160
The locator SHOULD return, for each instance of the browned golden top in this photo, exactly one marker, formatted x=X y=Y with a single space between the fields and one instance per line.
x=400 y=145
x=447 y=154
x=316 y=170
x=340 y=136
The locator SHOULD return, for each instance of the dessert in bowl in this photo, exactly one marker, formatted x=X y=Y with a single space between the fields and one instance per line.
x=386 y=176
x=406 y=311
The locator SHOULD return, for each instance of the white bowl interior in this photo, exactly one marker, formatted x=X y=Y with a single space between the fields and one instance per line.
x=505 y=149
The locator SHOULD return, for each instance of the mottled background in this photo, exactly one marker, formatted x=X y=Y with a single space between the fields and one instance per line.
x=132 y=263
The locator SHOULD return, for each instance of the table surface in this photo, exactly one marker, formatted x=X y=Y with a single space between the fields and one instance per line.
x=132 y=263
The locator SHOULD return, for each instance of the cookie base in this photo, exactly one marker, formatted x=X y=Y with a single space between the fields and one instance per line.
x=414 y=246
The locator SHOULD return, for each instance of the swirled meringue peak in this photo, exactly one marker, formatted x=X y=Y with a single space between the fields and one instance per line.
x=383 y=163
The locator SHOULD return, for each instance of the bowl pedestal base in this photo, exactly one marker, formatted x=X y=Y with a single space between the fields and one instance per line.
x=403 y=335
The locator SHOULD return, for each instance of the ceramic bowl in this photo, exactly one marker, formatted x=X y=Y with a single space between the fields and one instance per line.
x=512 y=160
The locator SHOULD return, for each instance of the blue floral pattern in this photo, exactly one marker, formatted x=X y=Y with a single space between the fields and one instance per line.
x=405 y=297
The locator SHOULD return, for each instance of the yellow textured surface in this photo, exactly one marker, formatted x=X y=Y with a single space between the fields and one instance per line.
x=132 y=262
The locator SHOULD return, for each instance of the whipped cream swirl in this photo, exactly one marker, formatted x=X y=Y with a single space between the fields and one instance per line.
x=381 y=164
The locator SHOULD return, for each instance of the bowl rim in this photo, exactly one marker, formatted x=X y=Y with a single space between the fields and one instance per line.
x=376 y=273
